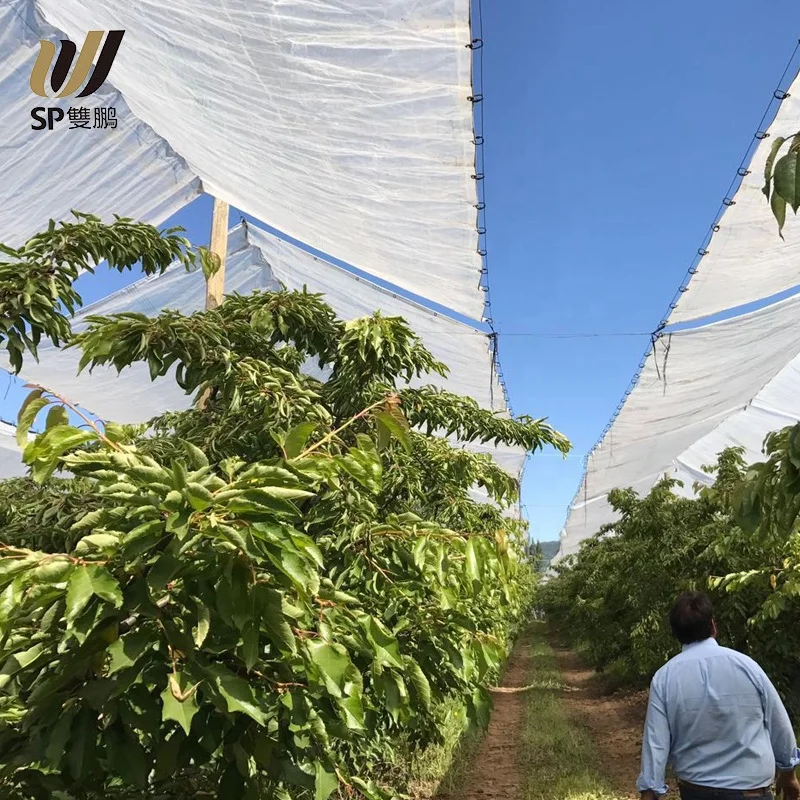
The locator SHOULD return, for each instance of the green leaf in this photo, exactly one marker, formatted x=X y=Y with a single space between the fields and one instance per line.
x=128 y=649
x=296 y=439
x=419 y=681
x=83 y=743
x=385 y=646
x=197 y=457
x=95 y=542
x=54 y=570
x=210 y=262
x=778 y=205
x=298 y=569
x=237 y=693
x=18 y=662
x=33 y=404
x=167 y=759
x=86 y=581
x=787 y=179
x=58 y=736
x=163 y=571
x=126 y=756
x=57 y=415
x=352 y=710
x=480 y=707
x=250 y=644
x=181 y=711
x=333 y=664
x=773 y=152
x=203 y=624
x=473 y=571
x=231 y=784
x=274 y=621
x=396 y=426
x=326 y=782
x=199 y=497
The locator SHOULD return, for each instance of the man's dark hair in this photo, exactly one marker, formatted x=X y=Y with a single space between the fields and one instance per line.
x=691 y=618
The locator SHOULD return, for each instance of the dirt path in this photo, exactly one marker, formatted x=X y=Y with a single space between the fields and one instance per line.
x=614 y=723
x=494 y=774
x=614 y=720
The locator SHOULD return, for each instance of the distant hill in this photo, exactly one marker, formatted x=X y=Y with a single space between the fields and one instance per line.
x=549 y=549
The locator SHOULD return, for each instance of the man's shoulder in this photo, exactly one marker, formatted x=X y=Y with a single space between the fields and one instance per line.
x=735 y=655
x=684 y=659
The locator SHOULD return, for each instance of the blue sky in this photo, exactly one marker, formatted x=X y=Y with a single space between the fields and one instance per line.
x=612 y=132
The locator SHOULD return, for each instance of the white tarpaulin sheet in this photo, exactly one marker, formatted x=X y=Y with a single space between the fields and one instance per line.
x=776 y=406
x=256 y=260
x=690 y=402
x=746 y=259
x=346 y=125
x=127 y=170
x=11 y=465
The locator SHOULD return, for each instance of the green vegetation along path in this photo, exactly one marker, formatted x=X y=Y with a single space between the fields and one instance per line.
x=555 y=734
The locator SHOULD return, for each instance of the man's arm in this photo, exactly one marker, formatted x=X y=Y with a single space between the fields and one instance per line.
x=782 y=738
x=656 y=744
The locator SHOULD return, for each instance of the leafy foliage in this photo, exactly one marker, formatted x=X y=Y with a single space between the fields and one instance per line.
x=263 y=596
x=782 y=178
x=36 y=282
x=737 y=540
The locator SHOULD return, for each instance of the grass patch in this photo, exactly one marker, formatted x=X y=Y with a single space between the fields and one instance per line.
x=440 y=769
x=557 y=757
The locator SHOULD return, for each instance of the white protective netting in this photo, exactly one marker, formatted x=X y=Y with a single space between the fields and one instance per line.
x=707 y=388
x=746 y=259
x=701 y=390
x=129 y=170
x=11 y=465
x=346 y=125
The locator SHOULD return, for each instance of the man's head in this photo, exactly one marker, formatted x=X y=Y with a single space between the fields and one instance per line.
x=692 y=618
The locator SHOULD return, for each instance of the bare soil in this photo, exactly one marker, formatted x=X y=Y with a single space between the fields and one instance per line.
x=615 y=720
x=494 y=774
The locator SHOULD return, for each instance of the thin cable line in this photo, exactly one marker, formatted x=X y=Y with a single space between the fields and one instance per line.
x=478 y=131
x=540 y=335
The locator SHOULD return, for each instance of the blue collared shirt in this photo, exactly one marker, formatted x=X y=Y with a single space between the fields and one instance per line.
x=716 y=717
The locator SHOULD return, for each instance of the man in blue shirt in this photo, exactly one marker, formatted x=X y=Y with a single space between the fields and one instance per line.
x=716 y=717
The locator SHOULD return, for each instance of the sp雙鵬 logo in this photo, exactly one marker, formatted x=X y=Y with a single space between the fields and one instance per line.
x=62 y=82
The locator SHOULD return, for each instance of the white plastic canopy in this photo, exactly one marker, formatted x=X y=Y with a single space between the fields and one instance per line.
x=708 y=387
x=746 y=259
x=346 y=125
x=11 y=465
x=701 y=390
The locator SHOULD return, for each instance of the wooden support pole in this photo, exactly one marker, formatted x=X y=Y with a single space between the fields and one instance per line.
x=215 y=288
